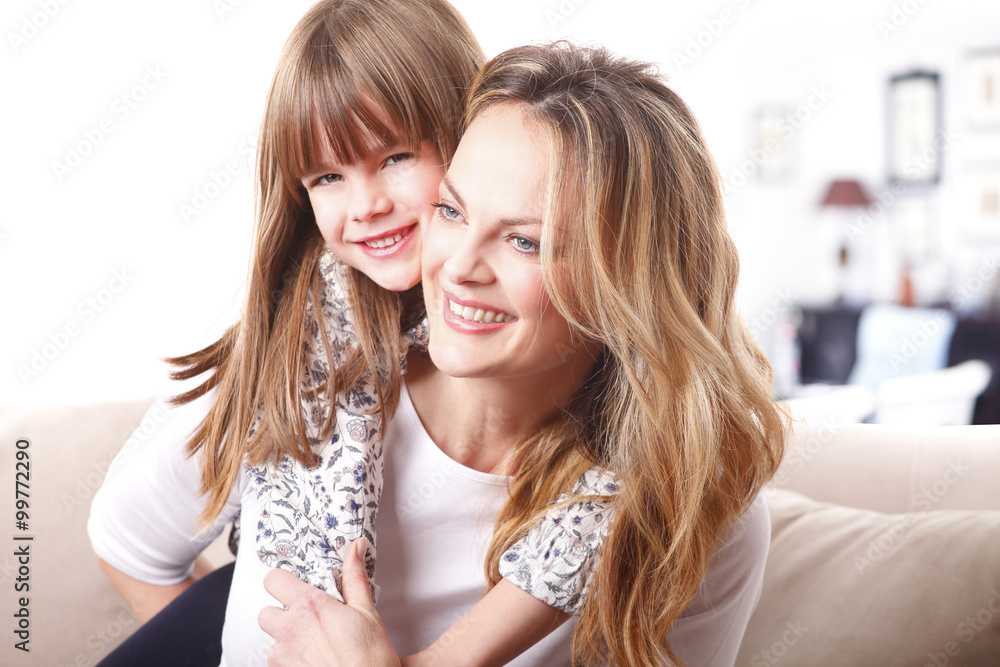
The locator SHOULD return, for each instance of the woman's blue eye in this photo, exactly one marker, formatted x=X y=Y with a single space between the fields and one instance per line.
x=525 y=245
x=447 y=212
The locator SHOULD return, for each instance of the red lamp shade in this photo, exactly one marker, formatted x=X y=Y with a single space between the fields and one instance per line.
x=846 y=193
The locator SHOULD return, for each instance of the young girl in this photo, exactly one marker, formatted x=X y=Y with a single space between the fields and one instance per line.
x=360 y=122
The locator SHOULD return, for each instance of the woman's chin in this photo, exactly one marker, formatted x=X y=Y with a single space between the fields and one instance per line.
x=456 y=362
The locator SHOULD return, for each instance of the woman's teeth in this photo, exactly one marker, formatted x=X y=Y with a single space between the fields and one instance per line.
x=478 y=314
x=386 y=242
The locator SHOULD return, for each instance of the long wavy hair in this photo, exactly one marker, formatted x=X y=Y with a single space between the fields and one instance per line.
x=638 y=258
x=358 y=68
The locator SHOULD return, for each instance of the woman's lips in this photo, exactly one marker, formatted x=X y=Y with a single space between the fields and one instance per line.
x=389 y=243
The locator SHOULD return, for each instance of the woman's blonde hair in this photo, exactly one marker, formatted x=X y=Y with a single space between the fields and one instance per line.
x=361 y=70
x=638 y=258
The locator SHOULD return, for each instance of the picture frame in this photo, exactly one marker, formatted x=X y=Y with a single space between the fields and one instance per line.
x=981 y=89
x=980 y=212
x=773 y=136
x=914 y=127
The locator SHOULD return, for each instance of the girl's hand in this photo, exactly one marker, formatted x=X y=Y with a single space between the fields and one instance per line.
x=317 y=630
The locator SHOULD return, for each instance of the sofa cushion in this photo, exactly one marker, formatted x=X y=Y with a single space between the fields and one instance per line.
x=846 y=586
x=75 y=615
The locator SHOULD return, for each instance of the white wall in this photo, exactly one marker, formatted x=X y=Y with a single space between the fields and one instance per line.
x=102 y=273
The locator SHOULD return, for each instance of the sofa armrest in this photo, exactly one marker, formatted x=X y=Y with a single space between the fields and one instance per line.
x=894 y=469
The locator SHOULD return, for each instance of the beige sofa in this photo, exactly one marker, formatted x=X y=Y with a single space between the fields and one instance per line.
x=871 y=587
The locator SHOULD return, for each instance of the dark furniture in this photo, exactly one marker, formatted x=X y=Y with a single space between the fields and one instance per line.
x=827 y=339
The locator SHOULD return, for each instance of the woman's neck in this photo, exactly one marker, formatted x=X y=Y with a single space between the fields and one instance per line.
x=478 y=421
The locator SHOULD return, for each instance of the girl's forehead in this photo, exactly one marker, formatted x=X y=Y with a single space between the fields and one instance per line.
x=347 y=140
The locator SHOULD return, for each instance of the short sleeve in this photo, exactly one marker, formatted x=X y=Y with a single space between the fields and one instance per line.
x=553 y=562
x=144 y=518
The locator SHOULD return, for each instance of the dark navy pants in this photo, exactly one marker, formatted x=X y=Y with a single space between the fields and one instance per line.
x=187 y=633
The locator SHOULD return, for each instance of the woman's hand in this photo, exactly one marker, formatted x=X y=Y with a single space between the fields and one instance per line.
x=317 y=630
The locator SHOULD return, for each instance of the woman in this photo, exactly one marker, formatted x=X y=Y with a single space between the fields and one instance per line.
x=583 y=201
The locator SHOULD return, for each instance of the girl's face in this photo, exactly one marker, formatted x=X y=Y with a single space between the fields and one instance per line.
x=369 y=211
x=489 y=311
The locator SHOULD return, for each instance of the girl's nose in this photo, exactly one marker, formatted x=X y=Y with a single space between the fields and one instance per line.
x=369 y=200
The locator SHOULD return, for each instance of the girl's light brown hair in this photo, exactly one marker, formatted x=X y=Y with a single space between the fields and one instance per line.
x=352 y=72
x=638 y=258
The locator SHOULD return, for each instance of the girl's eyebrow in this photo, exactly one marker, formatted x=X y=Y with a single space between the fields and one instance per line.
x=512 y=222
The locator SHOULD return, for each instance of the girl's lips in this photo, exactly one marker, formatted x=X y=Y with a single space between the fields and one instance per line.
x=388 y=243
x=472 y=317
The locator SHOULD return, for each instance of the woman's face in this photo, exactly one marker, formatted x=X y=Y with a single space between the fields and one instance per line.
x=489 y=311
x=369 y=210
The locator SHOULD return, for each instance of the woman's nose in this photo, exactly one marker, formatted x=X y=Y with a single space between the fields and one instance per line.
x=467 y=263
x=369 y=200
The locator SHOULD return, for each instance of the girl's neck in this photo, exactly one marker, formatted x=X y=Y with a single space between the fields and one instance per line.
x=478 y=421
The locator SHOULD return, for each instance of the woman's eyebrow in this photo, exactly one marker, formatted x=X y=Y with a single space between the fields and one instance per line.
x=454 y=192
x=511 y=222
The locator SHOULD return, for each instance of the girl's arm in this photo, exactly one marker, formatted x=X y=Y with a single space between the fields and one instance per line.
x=554 y=562
x=503 y=625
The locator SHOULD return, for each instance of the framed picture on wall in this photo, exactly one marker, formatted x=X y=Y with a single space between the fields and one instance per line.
x=981 y=89
x=981 y=196
x=914 y=125
x=772 y=147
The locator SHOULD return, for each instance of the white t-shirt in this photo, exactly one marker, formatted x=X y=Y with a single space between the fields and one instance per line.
x=434 y=524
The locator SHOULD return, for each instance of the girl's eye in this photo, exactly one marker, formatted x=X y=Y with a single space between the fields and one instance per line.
x=447 y=212
x=525 y=245
x=399 y=157
x=328 y=178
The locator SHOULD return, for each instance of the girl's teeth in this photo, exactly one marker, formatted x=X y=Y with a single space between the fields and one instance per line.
x=479 y=314
x=384 y=243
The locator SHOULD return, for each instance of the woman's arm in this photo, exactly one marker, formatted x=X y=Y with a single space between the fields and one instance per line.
x=503 y=625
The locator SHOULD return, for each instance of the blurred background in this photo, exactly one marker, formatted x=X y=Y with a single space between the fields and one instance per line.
x=859 y=142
